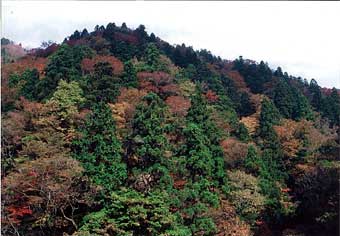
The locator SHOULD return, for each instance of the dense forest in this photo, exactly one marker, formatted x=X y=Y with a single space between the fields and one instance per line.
x=117 y=132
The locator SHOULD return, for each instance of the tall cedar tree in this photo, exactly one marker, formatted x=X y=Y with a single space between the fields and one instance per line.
x=331 y=107
x=148 y=141
x=99 y=150
x=204 y=133
x=269 y=116
x=102 y=86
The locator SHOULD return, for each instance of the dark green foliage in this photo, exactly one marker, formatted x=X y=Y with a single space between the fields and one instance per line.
x=242 y=133
x=181 y=55
x=252 y=161
x=270 y=167
x=278 y=72
x=132 y=213
x=203 y=139
x=27 y=84
x=256 y=76
x=283 y=99
x=84 y=33
x=193 y=202
x=269 y=116
x=123 y=50
x=99 y=151
x=199 y=156
x=129 y=78
x=102 y=86
x=245 y=108
x=302 y=109
x=316 y=95
x=75 y=36
x=64 y=64
x=148 y=140
x=152 y=56
x=331 y=107
x=291 y=103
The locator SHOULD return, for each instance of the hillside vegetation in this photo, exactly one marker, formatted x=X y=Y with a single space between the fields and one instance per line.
x=117 y=132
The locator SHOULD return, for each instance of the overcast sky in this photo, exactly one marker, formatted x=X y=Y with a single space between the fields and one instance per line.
x=301 y=37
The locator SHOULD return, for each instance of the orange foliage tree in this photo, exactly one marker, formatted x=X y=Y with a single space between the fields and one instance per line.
x=87 y=64
x=158 y=82
x=211 y=96
x=238 y=80
x=178 y=105
x=234 y=151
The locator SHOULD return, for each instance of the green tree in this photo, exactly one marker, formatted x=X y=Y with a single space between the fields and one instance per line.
x=199 y=158
x=194 y=202
x=291 y=103
x=269 y=116
x=132 y=213
x=242 y=133
x=27 y=83
x=283 y=99
x=152 y=59
x=129 y=78
x=102 y=86
x=148 y=140
x=99 y=151
x=63 y=64
x=67 y=98
x=205 y=136
x=316 y=99
x=331 y=107
x=252 y=160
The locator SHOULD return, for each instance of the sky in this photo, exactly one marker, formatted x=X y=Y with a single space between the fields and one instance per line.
x=301 y=37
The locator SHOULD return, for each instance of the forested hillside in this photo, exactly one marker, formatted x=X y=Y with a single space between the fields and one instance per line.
x=117 y=132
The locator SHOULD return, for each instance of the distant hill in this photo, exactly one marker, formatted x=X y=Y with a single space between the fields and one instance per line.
x=10 y=51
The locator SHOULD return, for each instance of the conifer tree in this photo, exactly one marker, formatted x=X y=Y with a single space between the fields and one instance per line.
x=99 y=150
x=315 y=91
x=269 y=116
x=102 y=86
x=148 y=141
x=129 y=78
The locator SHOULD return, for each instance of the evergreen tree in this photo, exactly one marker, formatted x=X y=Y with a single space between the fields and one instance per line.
x=291 y=103
x=245 y=108
x=84 y=33
x=148 y=141
x=283 y=99
x=151 y=57
x=278 y=72
x=198 y=154
x=27 y=83
x=242 y=133
x=129 y=78
x=201 y=124
x=269 y=116
x=331 y=107
x=315 y=91
x=102 y=86
x=252 y=160
x=63 y=64
x=302 y=108
x=99 y=150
